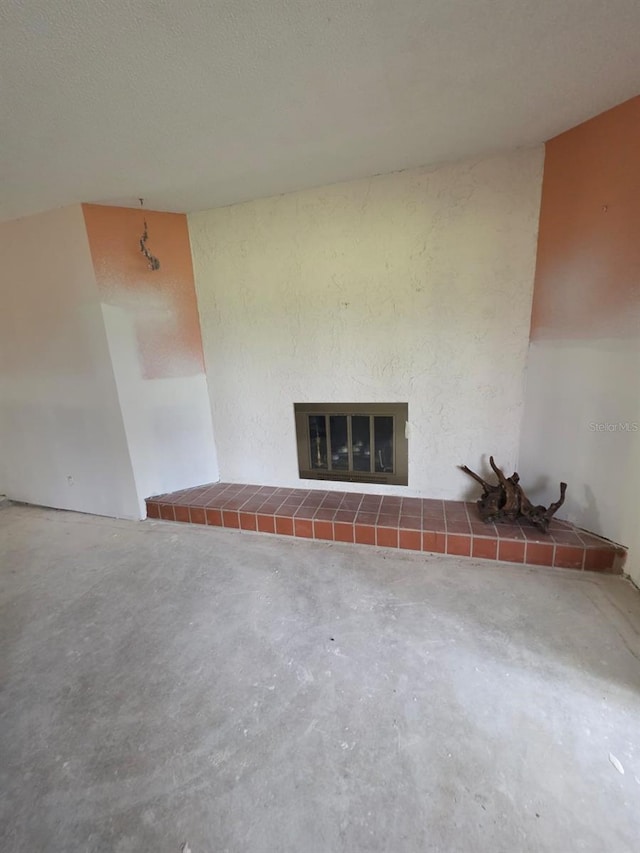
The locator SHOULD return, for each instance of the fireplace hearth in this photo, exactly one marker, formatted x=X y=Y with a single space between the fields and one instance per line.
x=414 y=524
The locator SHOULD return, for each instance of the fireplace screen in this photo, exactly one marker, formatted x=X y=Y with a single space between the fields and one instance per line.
x=353 y=442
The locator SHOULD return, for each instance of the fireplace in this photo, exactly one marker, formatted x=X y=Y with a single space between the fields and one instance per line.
x=353 y=442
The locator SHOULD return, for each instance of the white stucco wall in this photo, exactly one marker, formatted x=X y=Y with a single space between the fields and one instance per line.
x=414 y=286
x=62 y=437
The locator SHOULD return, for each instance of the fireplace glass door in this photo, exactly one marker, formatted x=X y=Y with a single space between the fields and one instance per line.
x=357 y=442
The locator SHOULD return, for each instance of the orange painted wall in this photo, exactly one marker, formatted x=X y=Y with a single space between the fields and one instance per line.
x=162 y=303
x=587 y=282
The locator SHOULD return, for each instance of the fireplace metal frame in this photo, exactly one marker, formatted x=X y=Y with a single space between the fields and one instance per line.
x=398 y=411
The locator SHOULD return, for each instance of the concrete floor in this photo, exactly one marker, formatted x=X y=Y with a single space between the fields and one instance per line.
x=164 y=684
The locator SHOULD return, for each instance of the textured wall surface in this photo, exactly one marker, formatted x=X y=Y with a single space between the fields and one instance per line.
x=153 y=332
x=62 y=436
x=414 y=286
x=582 y=415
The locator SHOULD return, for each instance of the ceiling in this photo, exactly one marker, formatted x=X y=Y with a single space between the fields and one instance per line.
x=199 y=103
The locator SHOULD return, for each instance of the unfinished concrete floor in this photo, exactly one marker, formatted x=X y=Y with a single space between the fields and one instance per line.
x=165 y=683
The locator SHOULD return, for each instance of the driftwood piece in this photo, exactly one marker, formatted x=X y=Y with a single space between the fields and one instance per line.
x=507 y=501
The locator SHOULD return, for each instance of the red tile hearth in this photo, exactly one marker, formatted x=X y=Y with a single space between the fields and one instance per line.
x=434 y=526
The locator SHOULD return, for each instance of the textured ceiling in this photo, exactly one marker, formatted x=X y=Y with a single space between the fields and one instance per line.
x=199 y=103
